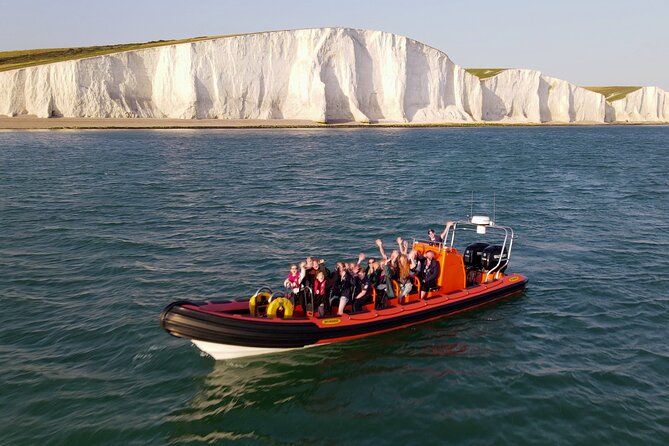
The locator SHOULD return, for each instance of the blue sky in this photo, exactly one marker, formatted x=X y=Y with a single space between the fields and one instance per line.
x=587 y=42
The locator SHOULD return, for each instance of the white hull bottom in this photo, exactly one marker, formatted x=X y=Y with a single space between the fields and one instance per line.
x=226 y=351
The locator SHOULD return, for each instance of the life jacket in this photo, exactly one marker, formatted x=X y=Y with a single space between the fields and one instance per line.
x=319 y=288
x=294 y=280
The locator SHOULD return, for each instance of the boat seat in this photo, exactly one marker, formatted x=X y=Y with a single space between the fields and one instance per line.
x=413 y=295
x=349 y=304
x=378 y=296
x=334 y=306
x=431 y=290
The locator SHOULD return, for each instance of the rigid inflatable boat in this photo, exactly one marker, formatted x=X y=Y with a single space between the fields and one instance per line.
x=267 y=322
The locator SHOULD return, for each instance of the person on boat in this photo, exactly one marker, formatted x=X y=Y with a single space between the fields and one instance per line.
x=412 y=256
x=354 y=267
x=430 y=274
x=435 y=239
x=449 y=225
x=320 y=293
x=294 y=285
x=403 y=278
x=373 y=270
x=364 y=295
x=361 y=258
x=373 y=274
x=313 y=266
x=320 y=265
x=404 y=270
x=387 y=274
x=416 y=262
x=292 y=282
x=342 y=289
x=310 y=275
x=403 y=246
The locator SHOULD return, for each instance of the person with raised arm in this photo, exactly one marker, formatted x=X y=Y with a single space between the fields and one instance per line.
x=403 y=271
x=387 y=263
x=449 y=225
x=434 y=238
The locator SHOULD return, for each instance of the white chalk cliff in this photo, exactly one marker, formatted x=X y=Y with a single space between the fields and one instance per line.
x=527 y=96
x=324 y=75
x=647 y=104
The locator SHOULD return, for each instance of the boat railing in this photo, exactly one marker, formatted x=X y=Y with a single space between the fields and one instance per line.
x=275 y=295
x=308 y=298
x=480 y=226
x=265 y=288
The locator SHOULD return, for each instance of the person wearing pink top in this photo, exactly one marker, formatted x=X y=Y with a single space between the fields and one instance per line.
x=293 y=280
x=292 y=284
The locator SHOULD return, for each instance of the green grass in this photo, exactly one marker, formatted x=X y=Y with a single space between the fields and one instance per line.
x=613 y=93
x=12 y=60
x=484 y=73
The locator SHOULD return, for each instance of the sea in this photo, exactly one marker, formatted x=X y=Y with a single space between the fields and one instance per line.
x=101 y=229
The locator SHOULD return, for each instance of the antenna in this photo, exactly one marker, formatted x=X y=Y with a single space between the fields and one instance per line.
x=471 y=208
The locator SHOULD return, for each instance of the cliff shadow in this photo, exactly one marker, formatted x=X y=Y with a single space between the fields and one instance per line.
x=337 y=107
x=365 y=87
x=544 y=92
x=417 y=93
x=493 y=106
x=143 y=102
x=204 y=103
x=609 y=112
x=54 y=111
x=572 y=106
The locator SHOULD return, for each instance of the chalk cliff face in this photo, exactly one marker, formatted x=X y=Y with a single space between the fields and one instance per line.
x=527 y=96
x=325 y=75
x=647 y=104
x=328 y=74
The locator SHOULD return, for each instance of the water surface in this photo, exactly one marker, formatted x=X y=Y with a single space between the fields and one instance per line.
x=101 y=229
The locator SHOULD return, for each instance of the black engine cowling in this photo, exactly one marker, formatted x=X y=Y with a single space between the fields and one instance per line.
x=490 y=258
x=472 y=255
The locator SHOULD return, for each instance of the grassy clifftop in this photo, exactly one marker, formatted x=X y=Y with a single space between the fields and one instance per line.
x=613 y=93
x=484 y=73
x=12 y=60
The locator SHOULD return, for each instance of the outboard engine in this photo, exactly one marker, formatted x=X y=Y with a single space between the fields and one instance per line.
x=490 y=258
x=472 y=255
x=472 y=260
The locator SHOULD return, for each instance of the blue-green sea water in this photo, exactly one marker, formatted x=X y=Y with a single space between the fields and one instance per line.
x=101 y=229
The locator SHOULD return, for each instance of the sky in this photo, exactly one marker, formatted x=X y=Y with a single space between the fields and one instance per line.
x=586 y=42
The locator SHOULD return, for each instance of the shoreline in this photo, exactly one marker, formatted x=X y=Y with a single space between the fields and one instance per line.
x=34 y=123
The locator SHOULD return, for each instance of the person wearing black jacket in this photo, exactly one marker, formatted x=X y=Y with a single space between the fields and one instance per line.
x=312 y=267
x=430 y=274
x=342 y=288
x=364 y=291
